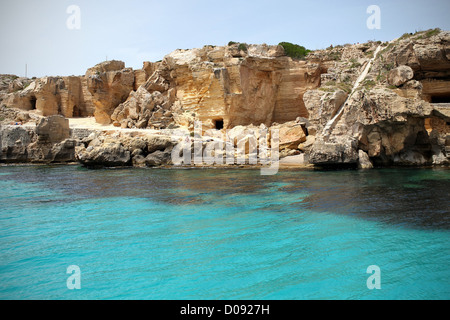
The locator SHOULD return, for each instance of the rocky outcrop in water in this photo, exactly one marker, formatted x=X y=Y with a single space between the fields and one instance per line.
x=113 y=149
x=48 y=142
x=221 y=86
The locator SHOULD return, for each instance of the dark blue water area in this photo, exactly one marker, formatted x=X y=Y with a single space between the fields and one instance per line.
x=223 y=234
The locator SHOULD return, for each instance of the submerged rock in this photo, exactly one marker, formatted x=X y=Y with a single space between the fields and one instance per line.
x=364 y=161
x=334 y=153
x=158 y=158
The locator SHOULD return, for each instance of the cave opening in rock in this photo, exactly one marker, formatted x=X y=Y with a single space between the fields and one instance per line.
x=76 y=112
x=305 y=130
x=33 y=103
x=440 y=98
x=219 y=124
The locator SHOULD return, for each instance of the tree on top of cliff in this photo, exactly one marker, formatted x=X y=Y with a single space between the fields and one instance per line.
x=294 y=50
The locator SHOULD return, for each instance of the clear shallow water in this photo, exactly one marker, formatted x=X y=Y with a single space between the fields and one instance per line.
x=223 y=234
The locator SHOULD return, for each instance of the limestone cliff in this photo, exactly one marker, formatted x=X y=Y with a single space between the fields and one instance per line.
x=358 y=105
x=399 y=114
x=222 y=87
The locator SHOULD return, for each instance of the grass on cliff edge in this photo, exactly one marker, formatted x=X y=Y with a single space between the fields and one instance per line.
x=294 y=50
x=421 y=34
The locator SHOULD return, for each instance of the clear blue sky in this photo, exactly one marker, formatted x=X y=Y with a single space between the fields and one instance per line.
x=34 y=32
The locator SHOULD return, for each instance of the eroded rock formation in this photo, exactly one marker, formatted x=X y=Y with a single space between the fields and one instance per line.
x=223 y=87
x=122 y=149
x=358 y=105
x=52 y=96
x=110 y=83
x=389 y=116
x=50 y=141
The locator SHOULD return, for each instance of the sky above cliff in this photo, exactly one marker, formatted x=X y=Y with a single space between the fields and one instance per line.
x=52 y=37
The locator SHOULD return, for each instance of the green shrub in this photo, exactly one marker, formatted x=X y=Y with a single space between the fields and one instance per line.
x=389 y=66
x=369 y=84
x=345 y=87
x=405 y=36
x=294 y=50
x=369 y=54
x=243 y=47
x=426 y=34
x=431 y=33
x=172 y=126
x=231 y=43
x=355 y=63
x=335 y=56
x=388 y=47
x=327 y=89
x=346 y=79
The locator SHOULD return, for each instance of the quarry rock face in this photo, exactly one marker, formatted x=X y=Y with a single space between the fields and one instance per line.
x=47 y=99
x=52 y=96
x=72 y=102
x=109 y=83
x=222 y=87
x=53 y=129
x=260 y=86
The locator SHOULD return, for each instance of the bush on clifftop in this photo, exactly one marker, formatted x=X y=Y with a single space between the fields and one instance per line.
x=294 y=50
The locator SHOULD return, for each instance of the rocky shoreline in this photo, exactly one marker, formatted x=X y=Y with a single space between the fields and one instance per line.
x=52 y=141
x=359 y=106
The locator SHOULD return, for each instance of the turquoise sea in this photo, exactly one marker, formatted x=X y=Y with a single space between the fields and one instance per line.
x=223 y=234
